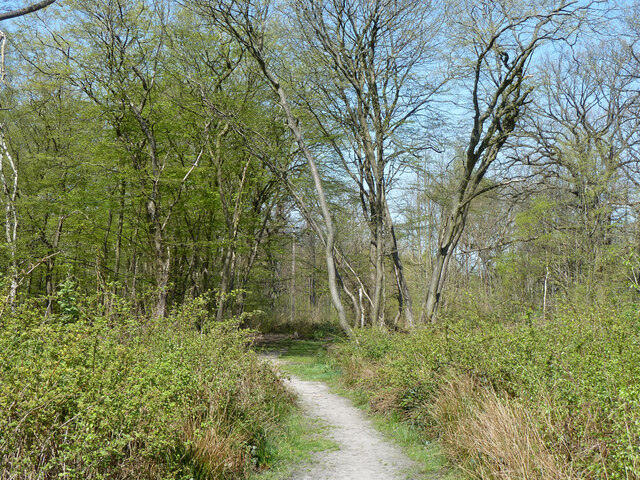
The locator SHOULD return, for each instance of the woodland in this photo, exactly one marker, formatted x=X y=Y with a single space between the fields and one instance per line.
x=450 y=189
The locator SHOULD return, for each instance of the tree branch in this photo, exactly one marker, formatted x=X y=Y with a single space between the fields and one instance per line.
x=26 y=10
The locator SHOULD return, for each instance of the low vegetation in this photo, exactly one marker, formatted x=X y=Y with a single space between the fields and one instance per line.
x=91 y=396
x=293 y=446
x=522 y=399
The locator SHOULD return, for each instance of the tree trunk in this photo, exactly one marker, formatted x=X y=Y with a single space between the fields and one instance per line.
x=435 y=288
x=447 y=243
x=118 y=251
x=226 y=281
x=10 y=192
x=378 y=277
x=292 y=123
x=293 y=280
x=51 y=262
x=313 y=299
x=404 y=297
x=163 y=264
x=251 y=260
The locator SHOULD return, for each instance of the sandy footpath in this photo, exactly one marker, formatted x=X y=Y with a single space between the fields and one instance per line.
x=363 y=454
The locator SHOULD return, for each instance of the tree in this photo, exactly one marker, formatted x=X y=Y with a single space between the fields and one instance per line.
x=246 y=23
x=113 y=53
x=496 y=45
x=369 y=70
x=583 y=123
x=9 y=185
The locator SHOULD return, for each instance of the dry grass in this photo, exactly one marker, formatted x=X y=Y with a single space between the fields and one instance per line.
x=386 y=400
x=361 y=373
x=216 y=455
x=491 y=437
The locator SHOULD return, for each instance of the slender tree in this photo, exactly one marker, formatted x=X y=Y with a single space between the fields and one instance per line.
x=246 y=23
x=369 y=70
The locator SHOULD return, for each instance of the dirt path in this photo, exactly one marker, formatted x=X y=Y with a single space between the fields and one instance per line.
x=363 y=453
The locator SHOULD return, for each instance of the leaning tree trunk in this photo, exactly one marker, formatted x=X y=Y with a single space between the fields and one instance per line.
x=240 y=25
x=292 y=123
x=447 y=242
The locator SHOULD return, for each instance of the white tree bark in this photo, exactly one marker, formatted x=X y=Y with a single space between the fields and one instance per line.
x=9 y=181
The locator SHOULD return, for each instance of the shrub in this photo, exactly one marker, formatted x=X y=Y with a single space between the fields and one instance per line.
x=571 y=383
x=138 y=399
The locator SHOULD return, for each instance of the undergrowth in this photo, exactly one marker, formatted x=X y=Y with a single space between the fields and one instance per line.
x=90 y=397
x=531 y=400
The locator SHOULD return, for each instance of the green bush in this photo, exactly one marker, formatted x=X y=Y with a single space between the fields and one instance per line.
x=577 y=374
x=136 y=399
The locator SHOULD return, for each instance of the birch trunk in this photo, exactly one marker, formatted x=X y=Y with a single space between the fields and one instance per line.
x=10 y=194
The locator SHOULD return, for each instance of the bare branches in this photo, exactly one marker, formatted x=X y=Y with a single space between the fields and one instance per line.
x=502 y=39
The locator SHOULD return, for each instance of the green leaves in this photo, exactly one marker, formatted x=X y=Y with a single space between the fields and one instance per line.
x=95 y=400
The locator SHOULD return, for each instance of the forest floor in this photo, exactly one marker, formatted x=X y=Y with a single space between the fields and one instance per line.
x=354 y=448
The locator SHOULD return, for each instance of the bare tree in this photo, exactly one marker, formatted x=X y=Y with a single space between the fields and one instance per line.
x=370 y=70
x=496 y=43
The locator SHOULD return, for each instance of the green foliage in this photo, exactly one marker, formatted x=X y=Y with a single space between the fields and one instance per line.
x=576 y=374
x=67 y=301
x=134 y=399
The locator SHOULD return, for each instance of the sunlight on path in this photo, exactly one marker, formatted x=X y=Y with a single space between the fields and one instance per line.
x=363 y=454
